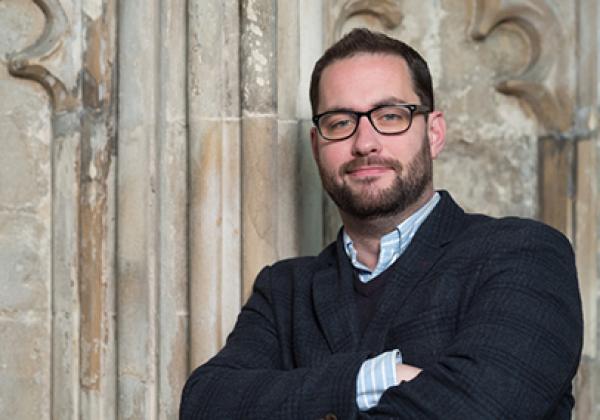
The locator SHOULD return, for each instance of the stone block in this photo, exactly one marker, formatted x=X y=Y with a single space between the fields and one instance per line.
x=25 y=364
x=215 y=234
x=260 y=202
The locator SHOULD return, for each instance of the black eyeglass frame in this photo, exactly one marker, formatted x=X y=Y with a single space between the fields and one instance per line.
x=413 y=108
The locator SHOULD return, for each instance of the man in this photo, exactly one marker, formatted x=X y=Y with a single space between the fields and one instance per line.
x=418 y=310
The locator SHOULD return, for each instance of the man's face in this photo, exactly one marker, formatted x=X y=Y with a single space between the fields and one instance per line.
x=371 y=175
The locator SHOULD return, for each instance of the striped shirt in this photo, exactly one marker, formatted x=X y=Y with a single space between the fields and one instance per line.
x=379 y=373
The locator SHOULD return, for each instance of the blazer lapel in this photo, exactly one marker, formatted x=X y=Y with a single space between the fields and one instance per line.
x=439 y=229
x=333 y=300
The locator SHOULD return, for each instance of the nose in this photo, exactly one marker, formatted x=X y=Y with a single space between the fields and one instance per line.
x=366 y=140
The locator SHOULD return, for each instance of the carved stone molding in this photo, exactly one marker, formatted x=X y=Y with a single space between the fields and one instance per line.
x=387 y=12
x=31 y=63
x=548 y=98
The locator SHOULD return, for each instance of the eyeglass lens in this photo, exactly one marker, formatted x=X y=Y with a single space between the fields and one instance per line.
x=386 y=120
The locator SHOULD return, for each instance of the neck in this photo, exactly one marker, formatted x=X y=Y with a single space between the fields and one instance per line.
x=366 y=233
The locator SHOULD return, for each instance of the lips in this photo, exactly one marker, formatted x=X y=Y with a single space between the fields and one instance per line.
x=370 y=170
x=370 y=167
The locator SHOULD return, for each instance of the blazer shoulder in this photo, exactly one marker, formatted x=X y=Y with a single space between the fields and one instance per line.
x=289 y=266
x=291 y=272
x=305 y=264
x=515 y=228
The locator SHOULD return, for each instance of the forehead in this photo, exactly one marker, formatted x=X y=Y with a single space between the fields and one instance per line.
x=364 y=80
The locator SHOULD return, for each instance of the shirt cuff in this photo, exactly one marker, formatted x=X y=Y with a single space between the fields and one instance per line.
x=375 y=376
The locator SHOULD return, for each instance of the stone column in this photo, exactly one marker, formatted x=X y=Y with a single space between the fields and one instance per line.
x=214 y=167
x=138 y=208
x=152 y=227
x=260 y=201
x=289 y=143
x=312 y=238
x=172 y=224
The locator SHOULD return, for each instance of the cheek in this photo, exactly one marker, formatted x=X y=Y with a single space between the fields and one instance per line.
x=332 y=155
x=405 y=150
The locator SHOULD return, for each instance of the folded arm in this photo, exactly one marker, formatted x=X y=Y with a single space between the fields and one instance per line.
x=517 y=348
x=247 y=378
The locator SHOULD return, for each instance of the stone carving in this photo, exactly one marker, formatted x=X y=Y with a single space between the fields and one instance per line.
x=387 y=12
x=31 y=63
x=547 y=95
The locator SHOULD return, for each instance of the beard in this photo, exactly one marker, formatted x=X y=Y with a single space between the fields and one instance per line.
x=369 y=202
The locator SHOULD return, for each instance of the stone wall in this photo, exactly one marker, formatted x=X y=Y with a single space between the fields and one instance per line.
x=156 y=156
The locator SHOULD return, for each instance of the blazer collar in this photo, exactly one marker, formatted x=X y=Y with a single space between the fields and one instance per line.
x=333 y=294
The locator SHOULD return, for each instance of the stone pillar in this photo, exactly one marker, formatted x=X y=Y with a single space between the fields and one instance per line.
x=152 y=228
x=260 y=202
x=172 y=224
x=289 y=143
x=214 y=171
x=310 y=193
x=137 y=208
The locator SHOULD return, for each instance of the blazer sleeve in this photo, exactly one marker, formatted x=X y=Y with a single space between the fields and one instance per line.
x=247 y=378
x=518 y=345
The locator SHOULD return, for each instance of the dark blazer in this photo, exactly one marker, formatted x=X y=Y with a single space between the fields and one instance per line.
x=489 y=308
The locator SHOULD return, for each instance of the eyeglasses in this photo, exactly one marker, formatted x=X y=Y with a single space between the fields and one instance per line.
x=385 y=119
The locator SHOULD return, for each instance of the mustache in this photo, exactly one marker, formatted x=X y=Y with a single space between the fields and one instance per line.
x=370 y=161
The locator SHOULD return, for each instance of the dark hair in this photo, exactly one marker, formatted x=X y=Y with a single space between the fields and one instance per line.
x=362 y=40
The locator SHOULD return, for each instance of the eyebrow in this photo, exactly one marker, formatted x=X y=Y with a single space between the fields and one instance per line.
x=390 y=100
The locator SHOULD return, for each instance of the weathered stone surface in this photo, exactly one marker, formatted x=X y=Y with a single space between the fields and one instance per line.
x=173 y=272
x=259 y=191
x=215 y=265
x=25 y=227
x=259 y=56
x=214 y=175
x=24 y=255
x=258 y=68
x=288 y=170
x=24 y=365
x=137 y=210
x=213 y=56
x=24 y=122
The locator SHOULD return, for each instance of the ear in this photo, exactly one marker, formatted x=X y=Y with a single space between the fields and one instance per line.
x=436 y=130
x=314 y=143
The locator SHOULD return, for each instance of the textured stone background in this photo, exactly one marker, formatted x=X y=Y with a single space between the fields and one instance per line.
x=155 y=155
x=25 y=225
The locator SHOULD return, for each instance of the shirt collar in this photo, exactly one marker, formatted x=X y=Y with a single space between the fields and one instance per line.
x=392 y=244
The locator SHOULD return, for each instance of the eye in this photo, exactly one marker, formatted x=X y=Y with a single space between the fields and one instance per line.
x=337 y=122
x=392 y=114
x=391 y=117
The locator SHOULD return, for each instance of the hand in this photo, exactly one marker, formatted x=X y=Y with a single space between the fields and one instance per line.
x=406 y=373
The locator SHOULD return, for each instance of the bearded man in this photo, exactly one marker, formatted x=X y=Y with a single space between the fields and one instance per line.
x=418 y=310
